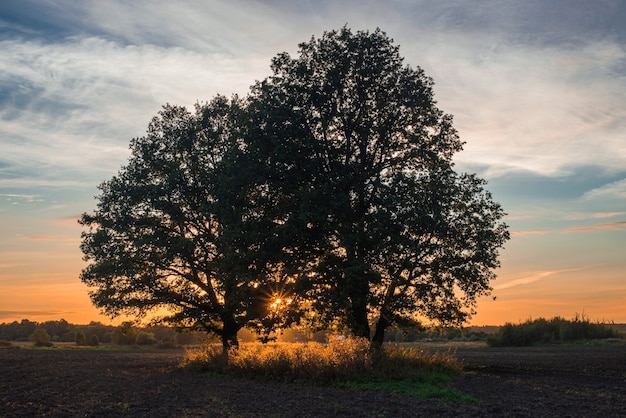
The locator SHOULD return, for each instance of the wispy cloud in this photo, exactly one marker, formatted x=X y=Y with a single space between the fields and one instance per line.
x=48 y=238
x=616 y=189
x=33 y=314
x=544 y=121
x=531 y=278
x=612 y=226
x=11 y=197
x=518 y=217
x=539 y=118
x=530 y=232
x=74 y=106
x=594 y=215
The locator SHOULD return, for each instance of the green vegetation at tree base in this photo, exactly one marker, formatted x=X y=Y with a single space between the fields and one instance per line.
x=549 y=331
x=345 y=362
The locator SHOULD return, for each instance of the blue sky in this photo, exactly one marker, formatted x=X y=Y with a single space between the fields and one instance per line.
x=537 y=90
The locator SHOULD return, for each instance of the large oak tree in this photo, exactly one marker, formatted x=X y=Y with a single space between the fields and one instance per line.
x=181 y=233
x=354 y=140
x=332 y=186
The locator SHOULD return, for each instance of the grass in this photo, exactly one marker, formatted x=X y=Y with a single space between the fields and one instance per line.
x=550 y=331
x=347 y=363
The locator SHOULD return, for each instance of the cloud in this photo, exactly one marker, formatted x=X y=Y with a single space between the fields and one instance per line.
x=70 y=108
x=613 y=190
x=29 y=314
x=518 y=217
x=612 y=226
x=530 y=232
x=530 y=117
x=531 y=278
x=21 y=197
x=76 y=101
x=596 y=215
x=48 y=238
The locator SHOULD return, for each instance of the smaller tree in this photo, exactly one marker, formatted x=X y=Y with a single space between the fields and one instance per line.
x=81 y=338
x=41 y=338
x=182 y=231
x=145 y=338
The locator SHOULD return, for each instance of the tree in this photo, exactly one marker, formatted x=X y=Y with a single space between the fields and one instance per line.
x=41 y=338
x=179 y=233
x=360 y=159
x=80 y=337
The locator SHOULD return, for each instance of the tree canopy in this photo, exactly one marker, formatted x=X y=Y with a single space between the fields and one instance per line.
x=332 y=185
x=358 y=146
x=166 y=232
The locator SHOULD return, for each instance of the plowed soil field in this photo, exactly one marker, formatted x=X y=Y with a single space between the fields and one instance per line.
x=565 y=381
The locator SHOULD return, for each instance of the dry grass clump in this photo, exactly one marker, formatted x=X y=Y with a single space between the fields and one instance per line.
x=341 y=360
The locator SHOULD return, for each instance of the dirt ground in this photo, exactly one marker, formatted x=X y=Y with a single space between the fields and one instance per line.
x=567 y=381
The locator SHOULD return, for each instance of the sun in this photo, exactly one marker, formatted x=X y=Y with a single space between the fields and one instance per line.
x=279 y=302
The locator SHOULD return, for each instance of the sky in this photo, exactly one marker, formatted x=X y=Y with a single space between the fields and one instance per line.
x=537 y=90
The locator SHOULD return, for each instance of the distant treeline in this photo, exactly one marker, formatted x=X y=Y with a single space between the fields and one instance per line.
x=554 y=331
x=97 y=332
x=129 y=334
x=530 y=332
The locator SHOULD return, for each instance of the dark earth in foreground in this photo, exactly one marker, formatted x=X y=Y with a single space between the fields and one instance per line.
x=554 y=381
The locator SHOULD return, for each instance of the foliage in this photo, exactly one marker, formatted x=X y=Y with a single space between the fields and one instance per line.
x=175 y=231
x=547 y=331
x=81 y=338
x=145 y=338
x=124 y=334
x=360 y=159
x=329 y=190
x=341 y=361
x=41 y=338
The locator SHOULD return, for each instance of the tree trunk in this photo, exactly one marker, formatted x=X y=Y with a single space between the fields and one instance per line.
x=229 y=334
x=379 y=334
x=360 y=325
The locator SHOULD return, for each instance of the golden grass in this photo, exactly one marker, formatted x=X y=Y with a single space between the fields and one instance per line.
x=340 y=360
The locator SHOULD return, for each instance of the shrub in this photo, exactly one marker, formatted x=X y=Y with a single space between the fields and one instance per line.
x=555 y=330
x=41 y=338
x=93 y=340
x=80 y=338
x=145 y=338
x=124 y=334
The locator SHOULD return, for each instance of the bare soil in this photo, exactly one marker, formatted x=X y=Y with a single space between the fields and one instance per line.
x=561 y=381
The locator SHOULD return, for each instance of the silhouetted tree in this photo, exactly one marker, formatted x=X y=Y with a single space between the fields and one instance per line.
x=41 y=338
x=81 y=338
x=330 y=187
x=182 y=228
x=361 y=159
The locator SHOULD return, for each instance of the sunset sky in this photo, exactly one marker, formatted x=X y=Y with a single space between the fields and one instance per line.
x=537 y=89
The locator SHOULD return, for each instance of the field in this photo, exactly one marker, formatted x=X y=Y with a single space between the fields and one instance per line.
x=572 y=380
